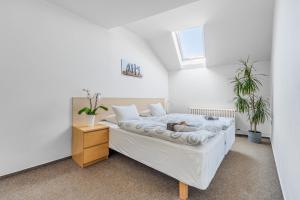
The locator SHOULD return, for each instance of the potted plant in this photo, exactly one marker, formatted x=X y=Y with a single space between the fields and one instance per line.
x=247 y=99
x=91 y=111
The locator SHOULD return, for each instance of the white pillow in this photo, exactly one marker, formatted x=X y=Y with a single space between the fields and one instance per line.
x=126 y=112
x=157 y=109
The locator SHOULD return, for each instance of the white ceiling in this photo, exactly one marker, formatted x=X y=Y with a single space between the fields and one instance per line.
x=234 y=29
x=112 y=13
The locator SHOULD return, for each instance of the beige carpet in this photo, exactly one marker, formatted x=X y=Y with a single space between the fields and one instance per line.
x=247 y=173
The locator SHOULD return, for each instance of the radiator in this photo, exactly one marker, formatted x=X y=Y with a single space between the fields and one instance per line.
x=214 y=112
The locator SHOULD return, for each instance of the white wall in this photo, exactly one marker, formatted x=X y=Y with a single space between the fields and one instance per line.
x=286 y=95
x=47 y=55
x=210 y=87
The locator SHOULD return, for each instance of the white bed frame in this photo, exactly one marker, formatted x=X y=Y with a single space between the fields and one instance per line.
x=130 y=151
x=201 y=163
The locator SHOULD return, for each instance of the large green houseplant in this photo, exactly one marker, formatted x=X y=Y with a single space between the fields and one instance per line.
x=248 y=100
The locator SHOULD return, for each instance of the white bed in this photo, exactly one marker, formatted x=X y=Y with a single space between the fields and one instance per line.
x=192 y=165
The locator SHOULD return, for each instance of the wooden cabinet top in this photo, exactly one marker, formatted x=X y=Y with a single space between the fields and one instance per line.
x=90 y=129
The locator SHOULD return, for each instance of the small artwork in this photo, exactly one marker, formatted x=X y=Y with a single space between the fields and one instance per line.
x=130 y=69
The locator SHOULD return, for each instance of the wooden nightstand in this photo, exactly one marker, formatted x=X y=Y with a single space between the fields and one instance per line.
x=89 y=144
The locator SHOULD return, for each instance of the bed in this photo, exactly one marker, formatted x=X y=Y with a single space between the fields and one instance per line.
x=192 y=166
x=195 y=165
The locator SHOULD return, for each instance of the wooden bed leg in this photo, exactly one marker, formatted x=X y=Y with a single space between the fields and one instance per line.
x=183 y=191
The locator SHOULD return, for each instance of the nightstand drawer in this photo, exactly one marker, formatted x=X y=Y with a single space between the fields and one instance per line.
x=95 y=137
x=94 y=153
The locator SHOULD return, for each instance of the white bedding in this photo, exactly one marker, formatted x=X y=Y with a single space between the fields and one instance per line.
x=159 y=130
x=222 y=123
x=156 y=126
x=193 y=165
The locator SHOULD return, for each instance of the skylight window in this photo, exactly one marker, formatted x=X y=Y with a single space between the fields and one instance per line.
x=189 y=44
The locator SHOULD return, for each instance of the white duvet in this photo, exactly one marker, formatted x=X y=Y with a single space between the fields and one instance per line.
x=194 y=120
x=156 y=127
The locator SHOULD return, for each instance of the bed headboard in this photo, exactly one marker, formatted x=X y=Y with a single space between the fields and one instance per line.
x=80 y=102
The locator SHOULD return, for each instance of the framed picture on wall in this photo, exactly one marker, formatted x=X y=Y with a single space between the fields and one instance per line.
x=131 y=69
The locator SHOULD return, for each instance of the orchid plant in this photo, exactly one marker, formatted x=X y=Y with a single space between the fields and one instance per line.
x=92 y=109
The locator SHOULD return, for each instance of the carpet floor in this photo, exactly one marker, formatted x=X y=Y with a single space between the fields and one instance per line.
x=248 y=172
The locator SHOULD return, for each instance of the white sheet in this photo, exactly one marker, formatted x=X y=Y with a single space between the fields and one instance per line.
x=193 y=165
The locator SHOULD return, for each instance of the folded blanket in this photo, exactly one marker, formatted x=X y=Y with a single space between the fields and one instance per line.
x=185 y=128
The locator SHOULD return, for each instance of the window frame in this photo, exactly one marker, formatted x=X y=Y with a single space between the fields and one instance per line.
x=178 y=46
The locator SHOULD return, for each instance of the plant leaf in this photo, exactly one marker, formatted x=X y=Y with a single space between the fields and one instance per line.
x=241 y=104
x=84 y=110
x=101 y=106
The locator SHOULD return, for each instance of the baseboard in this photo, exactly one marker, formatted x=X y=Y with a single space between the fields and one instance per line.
x=35 y=167
x=243 y=135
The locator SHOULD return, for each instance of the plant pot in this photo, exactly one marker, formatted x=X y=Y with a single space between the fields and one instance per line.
x=254 y=136
x=91 y=120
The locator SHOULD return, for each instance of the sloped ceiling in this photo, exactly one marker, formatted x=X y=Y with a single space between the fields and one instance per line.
x=112 y=13
x=234 y=29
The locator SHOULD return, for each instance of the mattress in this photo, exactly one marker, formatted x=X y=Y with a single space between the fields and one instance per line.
x=193 y=165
